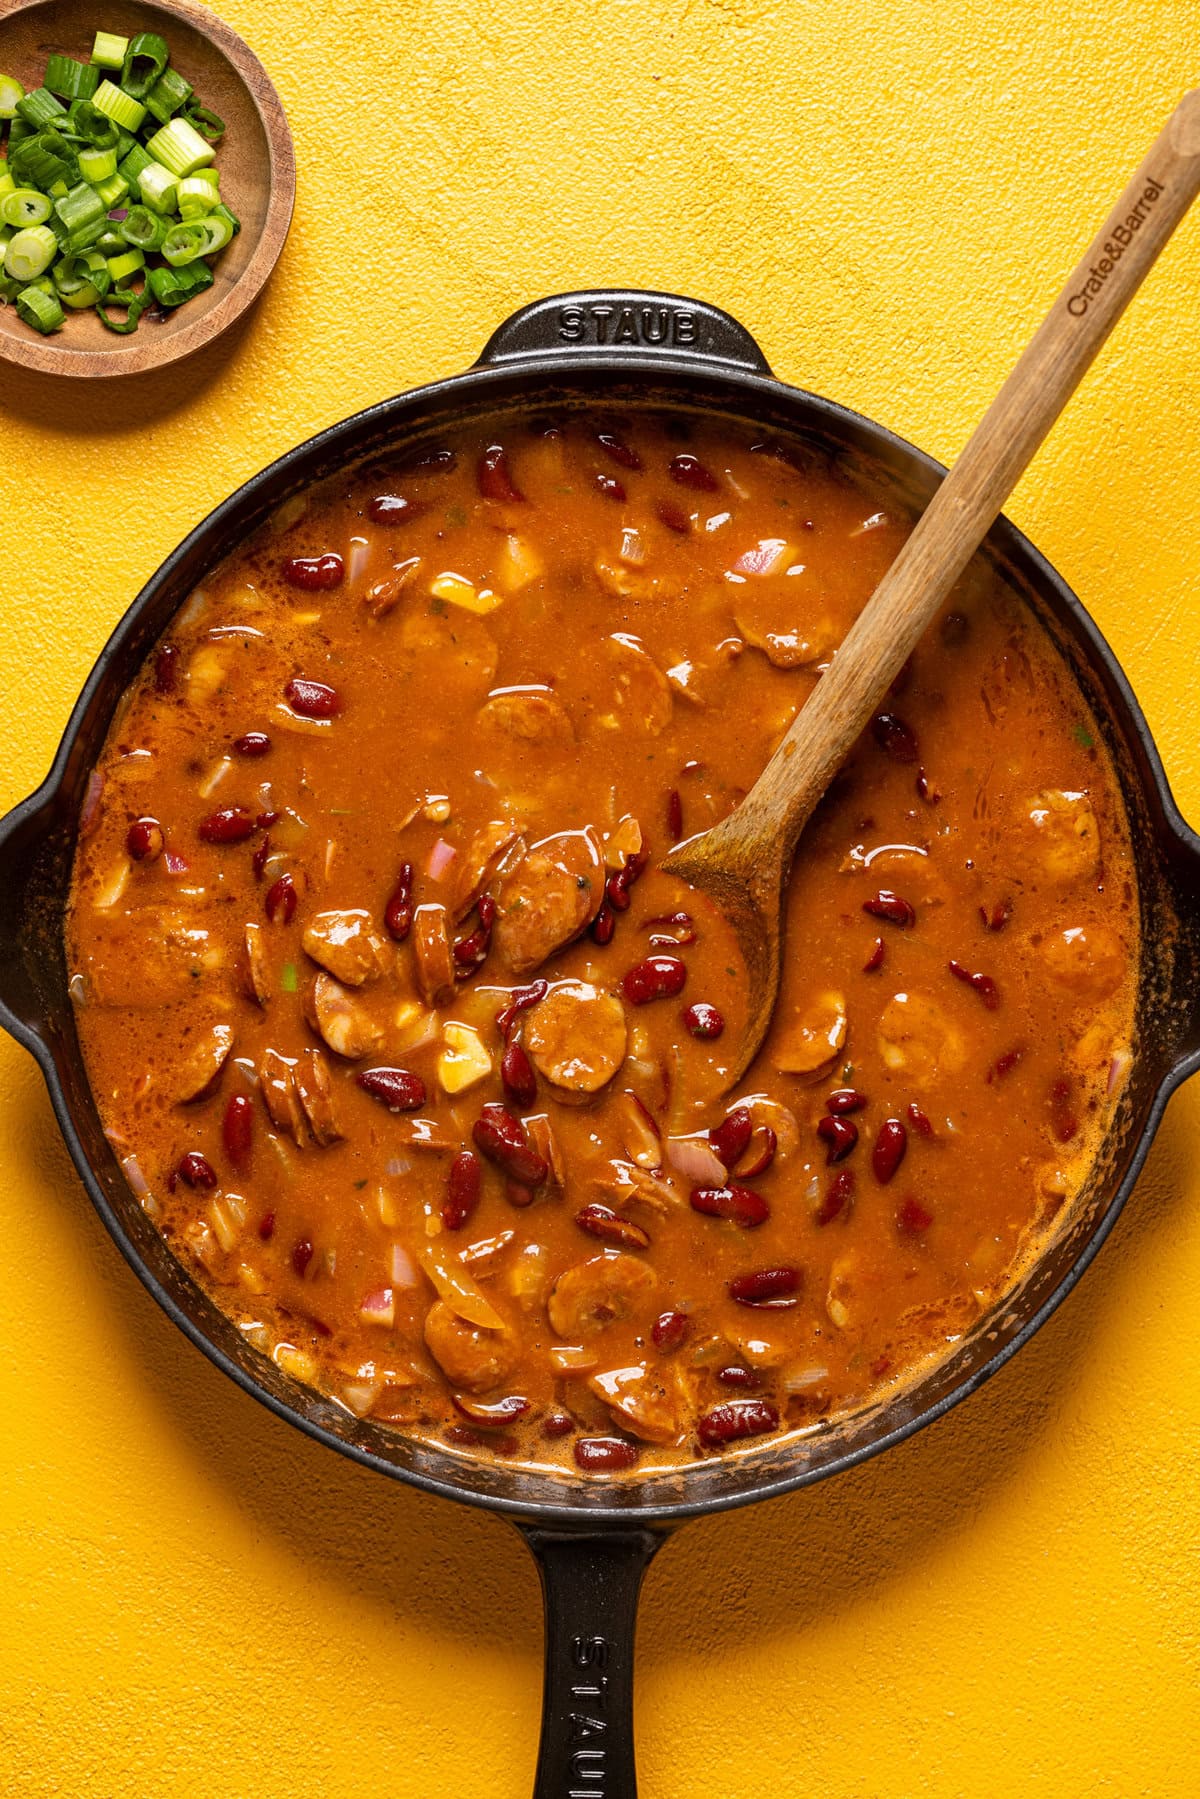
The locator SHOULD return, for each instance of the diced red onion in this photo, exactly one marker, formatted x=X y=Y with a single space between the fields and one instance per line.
x=695 y=1159
x=798 y=1380
x=91 y=802
x=119 y=214
x=633 y=548
x=1117 y=1070
x=360 y=555
x=132 y=1170
x=440 y=857
x=404 y=1270
x=378 y=1307
x=77 y=988
x=764 y=558
x=398 y=1165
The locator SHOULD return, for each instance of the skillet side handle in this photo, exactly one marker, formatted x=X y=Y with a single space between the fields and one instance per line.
x=590 y=1587
x=625 y=321
x=22 y=842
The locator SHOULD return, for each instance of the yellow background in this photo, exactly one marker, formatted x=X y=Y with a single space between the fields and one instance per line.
x=197 y=1602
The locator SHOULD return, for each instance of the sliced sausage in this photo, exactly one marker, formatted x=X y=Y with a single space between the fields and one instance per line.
x=341 y=1019
x=435 y=954
x=598 y=1292
x=345 y=945
x=576 y=1036
x=314 y=1089
x=467 y=1354
x=488 y=851
x=641 y=1400
x=528 y=715
x=201 y=1068
x=551 y=895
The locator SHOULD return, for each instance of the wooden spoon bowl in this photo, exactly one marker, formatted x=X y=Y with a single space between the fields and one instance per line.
x=255 y=157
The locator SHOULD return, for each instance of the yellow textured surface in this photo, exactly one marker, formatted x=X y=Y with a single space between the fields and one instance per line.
x=200 y=1604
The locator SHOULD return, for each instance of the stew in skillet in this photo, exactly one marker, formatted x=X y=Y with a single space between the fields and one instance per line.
x=417 y=1059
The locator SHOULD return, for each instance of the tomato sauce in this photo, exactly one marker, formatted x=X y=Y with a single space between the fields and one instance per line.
x=419 y=1060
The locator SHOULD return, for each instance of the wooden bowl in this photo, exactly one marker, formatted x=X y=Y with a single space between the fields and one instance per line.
x=255 y=157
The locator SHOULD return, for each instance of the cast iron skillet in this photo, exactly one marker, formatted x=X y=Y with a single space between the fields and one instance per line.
x=593 y=1540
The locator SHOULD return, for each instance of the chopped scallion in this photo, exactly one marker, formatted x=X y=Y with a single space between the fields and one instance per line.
x=69 y=79
x=120 y=106
x=124 y=267
x=10 y=92
x=24 y=206
x=171 y=287
x=167 y=95
x=144 y=229
x=97 y=165
x=112 y=191
x=196 y=197
x=158 y=187
x=108 y=51
x=41 y=310
x=180 y=148
x=134 y=304
x=145 y=60
x=80 y=208
x=30 y=252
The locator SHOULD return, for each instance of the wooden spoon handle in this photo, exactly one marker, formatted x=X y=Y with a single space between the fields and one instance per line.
x=966 y=504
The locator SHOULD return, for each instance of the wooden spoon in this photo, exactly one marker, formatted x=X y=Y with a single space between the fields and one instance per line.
x=742 y=863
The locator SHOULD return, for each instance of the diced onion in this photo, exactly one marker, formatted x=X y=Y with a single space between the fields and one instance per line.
x=440 y=857
x=356 y=562
x=398 y=1165
x=91 y=802
x=77 y=988
x=633 y=547
x=403 y=1268
x=1118 y=1068
x=454 y=1284
x=696 y=1160
x=798 y=1380
x=131 y=1168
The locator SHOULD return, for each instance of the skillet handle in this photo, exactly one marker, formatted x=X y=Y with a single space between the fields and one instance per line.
x=625 y=322
x=26 y=912
x=590 y=1587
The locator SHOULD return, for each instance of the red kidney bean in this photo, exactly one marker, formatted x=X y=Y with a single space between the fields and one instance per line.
x=398 y=913
x=144 y=840
x=394 y=1088
x=995 y=918
x=735 y=1419
x=604 y=1455
x=611 y=1227
x=735 y=1375
x=516 y=1194
x=610 y=487
x=265 y=820
x=837 y=1197
x=880 y=1366
x=232 y=824
x=689 y=471
x=894 y=736
x=889 y=1149
x=251 y=743
x=302 y=1255
x=675 y=930
x=767 y=1287
x=618 y=450
x=502 y=1139
x=926 y=790
x=912 y=1217
x=258 y=860
x=266 y=1226
x=315 y=574
x=839 y=1136
x=703 y=1020
x=557 y=1424
x=674 y=815
x=196 y=1171
x=673 y=517
x=983 y=984
x=166 y=669
x=669 y=1329
x=312 y=699
x=520 y=1001
x=874 y=961
x=617 y=886
x=603 y=925
x=463 y=1181
x=281 y=900
x=1064 y=1120
x=495 y=481
x=395 y=509
x=237 y=1130
x=845 y=1099
x=1004 y=1065
x=919 y=1120
x=954 y=628
x=517 y=1076
x=657 y=977
x=760 y=1154
x=491 y=1414
x=730 y=1138
x=739 y=1205
x=891 y=907
x=470 y=952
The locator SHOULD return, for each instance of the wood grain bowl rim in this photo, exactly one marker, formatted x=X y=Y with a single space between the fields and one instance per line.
x=139 y=354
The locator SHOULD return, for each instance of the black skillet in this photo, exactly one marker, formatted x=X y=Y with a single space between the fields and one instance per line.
x=594 y=1539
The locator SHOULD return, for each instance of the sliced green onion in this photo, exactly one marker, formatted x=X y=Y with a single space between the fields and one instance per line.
x=7 y=184
x=69 y=79
x=10 y=92
x=81 y=280
x=108 y=51
x=172 y=287
x=211 y=174
x=39 y=309
x=97 y=165
x=158 y=187
x=144 y=229
x=58 y=190
x=230 y=217
x=167 y=95
x=112 y=191
x=180 y=148
x=135 y=305
x=24 y=206
x=39 y=160
x=110 y=242
x=17 y=129
x=9 y=289
x=83 y=206
x=39 y=107
x=120 y=106
x=131 y=166
x=288 y=980
x=220 y=232
x=124 y=267
x=88 y=238
x=195 y=198
x=184 y=243
x=145 y=60
x=30 y=252
x=207 y=123
x=95 y=127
